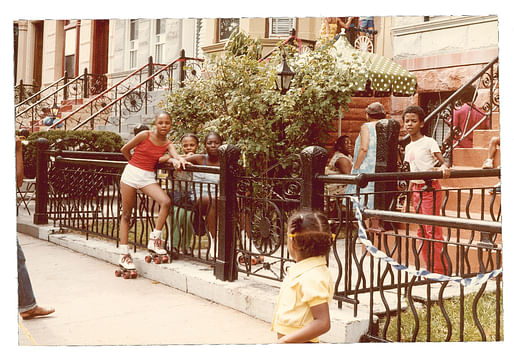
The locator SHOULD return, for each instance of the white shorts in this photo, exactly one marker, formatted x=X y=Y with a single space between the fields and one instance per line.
x=136 y=177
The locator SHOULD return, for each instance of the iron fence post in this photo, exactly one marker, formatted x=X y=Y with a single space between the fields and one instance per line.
x=182 y=74
x=65 y=91
x=150 y=73
x=41 y=214
x=22 y=91
x=85 y=92
x=225 y=267
x=314 y=159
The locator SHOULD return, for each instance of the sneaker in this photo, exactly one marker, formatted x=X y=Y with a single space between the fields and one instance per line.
x=155 y=244
x=126 y=262
x=488 y=164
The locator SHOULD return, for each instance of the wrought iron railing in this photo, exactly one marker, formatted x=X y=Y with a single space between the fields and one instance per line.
x=84 y=195
x=248 y=221
x=30 y=111
x=132 y=94
x=24 y=91
x=470 y=227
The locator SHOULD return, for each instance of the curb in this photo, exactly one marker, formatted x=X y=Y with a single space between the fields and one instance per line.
x=247 y=294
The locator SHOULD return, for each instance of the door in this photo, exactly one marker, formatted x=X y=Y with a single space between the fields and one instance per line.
x=99 y=65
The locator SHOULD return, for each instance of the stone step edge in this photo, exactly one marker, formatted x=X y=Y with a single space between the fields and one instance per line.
x=246 y=295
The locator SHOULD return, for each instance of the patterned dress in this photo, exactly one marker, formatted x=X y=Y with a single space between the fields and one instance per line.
x=367 y=166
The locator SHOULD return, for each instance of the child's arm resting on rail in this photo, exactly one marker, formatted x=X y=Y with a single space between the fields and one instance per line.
x=177 y=160
x=444 y=166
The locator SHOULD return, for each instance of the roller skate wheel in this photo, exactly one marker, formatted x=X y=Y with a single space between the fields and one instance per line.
x=165 y=259
x=157 y=260
x=117 y=273
x=126 y=275
x=133 y=274
x=148 y=259
x=254 y=261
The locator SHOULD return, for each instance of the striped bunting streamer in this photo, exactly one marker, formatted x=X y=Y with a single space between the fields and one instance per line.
x=478 y=279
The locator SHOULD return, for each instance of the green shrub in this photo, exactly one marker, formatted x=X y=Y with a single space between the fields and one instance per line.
x=80 y=140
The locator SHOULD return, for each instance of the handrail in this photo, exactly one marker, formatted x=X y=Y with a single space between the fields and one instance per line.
x=39 y=93
x=51 y=94
x=148 y=79
x=98 y=96
x=363 y=179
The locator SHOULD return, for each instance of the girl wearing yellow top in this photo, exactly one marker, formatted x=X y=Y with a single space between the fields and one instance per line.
x=302 y=310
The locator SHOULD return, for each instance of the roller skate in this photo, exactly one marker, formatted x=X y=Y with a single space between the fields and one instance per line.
x=246 y=258
x=127 y=268
x=157 y=254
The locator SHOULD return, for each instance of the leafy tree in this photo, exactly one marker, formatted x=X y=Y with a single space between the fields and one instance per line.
x=237 y=97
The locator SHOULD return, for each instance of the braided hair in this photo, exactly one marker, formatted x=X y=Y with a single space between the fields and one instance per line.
x=311 y=232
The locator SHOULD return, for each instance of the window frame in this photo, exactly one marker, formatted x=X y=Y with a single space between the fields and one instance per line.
x=269 y=27
x=218 y=28
x=133 y=43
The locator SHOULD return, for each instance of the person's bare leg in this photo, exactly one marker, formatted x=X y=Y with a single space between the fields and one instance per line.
x=128 y=198
x=155 y=192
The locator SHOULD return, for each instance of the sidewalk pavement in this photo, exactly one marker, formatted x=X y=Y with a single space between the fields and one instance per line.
x=164 y=305
x=93 y=307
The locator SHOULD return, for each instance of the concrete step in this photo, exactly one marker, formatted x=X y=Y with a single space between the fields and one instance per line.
x=481 y=138
x=473 y=157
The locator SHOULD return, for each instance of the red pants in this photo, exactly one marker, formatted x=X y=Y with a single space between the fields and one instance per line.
x=433 y=263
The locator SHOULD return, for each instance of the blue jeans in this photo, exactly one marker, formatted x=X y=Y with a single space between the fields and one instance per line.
x=26 y=299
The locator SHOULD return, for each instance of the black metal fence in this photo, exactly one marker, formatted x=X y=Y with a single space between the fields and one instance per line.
x=238 y=225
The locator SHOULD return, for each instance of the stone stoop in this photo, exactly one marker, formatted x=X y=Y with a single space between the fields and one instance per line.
x=473 y=158
x=250 y=295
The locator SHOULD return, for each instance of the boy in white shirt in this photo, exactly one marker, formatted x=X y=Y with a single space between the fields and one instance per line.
x=423 y=154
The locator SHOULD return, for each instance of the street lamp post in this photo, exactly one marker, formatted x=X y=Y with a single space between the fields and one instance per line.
x=284 y=76
x=54 y=110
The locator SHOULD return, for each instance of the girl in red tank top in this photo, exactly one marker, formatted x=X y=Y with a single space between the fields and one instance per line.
x=149 y=147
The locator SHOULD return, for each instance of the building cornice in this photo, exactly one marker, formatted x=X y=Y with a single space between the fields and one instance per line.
x=443 y=24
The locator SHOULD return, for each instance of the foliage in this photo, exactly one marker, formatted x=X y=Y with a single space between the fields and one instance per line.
x=237 y=97
x=80 y=140
x=239 y=44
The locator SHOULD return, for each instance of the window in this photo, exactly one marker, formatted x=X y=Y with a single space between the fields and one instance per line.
x=133 y=42
x=226 y=27
x=70 y=48
x=160 y=29
x=160 y=26
x=280 y=26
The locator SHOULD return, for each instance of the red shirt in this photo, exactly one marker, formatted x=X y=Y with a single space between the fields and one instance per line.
x=147 y=154
x=459 y=120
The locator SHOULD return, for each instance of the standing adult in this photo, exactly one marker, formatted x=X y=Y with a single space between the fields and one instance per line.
x=365 y=154
x=27 y=305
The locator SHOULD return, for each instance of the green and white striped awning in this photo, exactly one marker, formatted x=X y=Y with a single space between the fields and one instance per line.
x=383 y=77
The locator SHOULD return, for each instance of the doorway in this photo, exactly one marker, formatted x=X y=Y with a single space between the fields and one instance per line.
x=99 y=65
